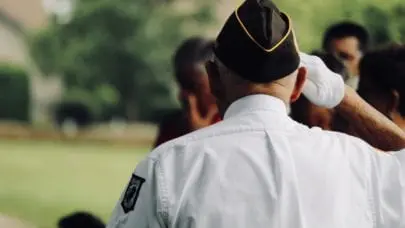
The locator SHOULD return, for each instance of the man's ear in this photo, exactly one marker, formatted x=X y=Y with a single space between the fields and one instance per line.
x=299 y=84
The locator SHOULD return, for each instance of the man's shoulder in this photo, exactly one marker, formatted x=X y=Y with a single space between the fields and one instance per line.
x=340 y=136
x=209 y=137
x=332 y=138
x=348 y=143
x=225 y=133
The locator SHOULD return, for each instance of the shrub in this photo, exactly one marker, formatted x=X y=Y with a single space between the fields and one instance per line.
x=78 y=105
x=14 y=93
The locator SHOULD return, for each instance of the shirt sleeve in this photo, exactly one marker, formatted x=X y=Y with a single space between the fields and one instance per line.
x=388 y=184
x=142 y=203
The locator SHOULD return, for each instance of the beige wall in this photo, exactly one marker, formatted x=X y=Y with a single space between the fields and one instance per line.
x=12 y=47
x=44 y=90
x=224 y=8
x=30 y=13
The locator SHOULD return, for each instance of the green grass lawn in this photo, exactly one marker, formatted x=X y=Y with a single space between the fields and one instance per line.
x=42 y=181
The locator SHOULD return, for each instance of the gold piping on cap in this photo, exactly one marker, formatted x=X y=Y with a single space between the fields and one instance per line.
x=254 y=40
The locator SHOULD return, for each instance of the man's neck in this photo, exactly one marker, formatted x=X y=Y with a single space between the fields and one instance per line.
x=224 y=106
x=280 y=93
x=279 y=90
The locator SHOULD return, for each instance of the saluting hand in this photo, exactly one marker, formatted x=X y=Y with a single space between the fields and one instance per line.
x=196 y=119
x=323 y=87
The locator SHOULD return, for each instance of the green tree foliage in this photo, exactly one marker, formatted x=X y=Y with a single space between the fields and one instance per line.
x=127 y=45
x=124 y=44
x=14 y=93
x=386 y=25
x=378 y=23
x=384 y=19
x=398 y=20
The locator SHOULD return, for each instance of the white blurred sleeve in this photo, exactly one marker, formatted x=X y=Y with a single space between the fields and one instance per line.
x=143 y=201
x=388 y=184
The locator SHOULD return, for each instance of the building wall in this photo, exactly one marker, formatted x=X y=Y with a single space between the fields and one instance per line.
x=12 y=47
x=29 y=14
x=225 y=8
x=45 y=92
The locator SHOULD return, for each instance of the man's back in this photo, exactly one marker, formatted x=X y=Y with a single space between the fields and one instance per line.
x=259 y=168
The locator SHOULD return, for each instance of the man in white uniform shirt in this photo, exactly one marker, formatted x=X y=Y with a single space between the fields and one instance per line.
x=259 y=168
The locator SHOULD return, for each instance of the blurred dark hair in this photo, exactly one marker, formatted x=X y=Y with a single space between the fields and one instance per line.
x=332 y=62
x=346 y=29
x=191 y=52
x=386 y=68
x=80 y=220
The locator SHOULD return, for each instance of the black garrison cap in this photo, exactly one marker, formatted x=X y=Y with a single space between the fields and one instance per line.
x=257 y=42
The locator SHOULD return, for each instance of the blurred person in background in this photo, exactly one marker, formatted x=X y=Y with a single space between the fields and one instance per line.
x=198 y=105
x=307 y=113
x=348 y=41
x=80 y=220
x=382 y=84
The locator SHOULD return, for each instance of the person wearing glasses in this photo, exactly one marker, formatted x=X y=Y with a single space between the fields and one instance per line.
x=347 y=41
x=258 y=167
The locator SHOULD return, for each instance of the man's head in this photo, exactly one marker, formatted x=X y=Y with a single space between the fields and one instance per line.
x=189 y=61
x=256 y=53
x=382 y=82
x=80 y=220
x=348 y=41
x=309 y=114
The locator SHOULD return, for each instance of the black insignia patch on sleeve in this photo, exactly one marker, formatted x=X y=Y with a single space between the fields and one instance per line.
x=132 y=193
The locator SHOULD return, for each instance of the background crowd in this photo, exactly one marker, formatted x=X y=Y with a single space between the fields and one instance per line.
x=102 y=65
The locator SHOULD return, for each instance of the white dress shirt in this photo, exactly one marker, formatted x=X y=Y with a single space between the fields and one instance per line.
x=259 y=168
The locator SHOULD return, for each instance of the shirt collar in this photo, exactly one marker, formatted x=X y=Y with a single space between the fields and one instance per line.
x=255 y=103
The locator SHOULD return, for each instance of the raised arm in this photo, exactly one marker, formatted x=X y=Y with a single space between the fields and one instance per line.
x=326 y=88
x=370 y=125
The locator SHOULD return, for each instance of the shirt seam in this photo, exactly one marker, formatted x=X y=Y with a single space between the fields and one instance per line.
x=253 y=110
x=163 y=196
x=370 y=193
